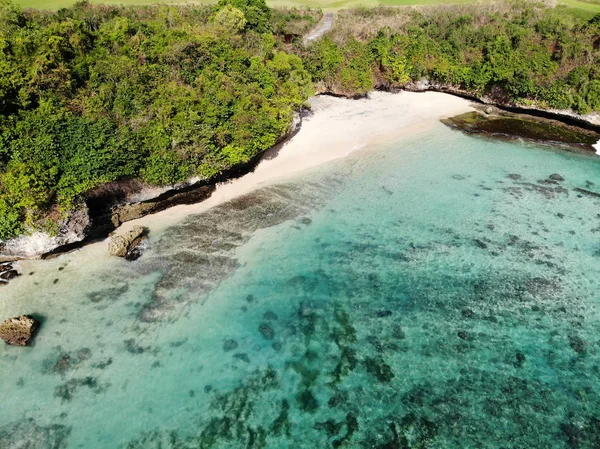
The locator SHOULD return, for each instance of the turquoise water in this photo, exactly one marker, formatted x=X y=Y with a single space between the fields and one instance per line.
x=440 y=292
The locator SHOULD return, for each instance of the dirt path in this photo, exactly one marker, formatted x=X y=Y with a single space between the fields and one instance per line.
x=323 y=28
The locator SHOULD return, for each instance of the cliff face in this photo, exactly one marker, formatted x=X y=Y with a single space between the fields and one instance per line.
x=105 y=208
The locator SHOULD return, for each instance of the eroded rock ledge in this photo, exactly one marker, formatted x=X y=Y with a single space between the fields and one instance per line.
x=107 y=207
x=497 y=123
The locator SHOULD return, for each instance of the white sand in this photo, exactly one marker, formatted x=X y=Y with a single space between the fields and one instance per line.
x=336 y=128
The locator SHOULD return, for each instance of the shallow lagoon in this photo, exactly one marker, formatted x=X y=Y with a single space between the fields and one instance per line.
x=438 y=292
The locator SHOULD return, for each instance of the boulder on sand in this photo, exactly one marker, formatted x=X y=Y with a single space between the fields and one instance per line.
x=120 y=245
x=19 y=331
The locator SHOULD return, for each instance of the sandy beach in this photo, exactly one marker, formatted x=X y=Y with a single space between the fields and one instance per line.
x=335 y=128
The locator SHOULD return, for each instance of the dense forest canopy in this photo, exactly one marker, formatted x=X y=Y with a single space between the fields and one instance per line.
x=515 y=52
x=94 y=93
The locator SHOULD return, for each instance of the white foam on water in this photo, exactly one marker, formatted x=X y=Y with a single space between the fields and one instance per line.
x=597 y=147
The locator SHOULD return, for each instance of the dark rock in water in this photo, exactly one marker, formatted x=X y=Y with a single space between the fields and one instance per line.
x=330 y=427
x=104 y=364
x=9 y=274
x=577 y=343
x=19 y=331
x=270 y=316
x=520 y=359
x=481 y=244
x=378 y=368
x=464 y=335
x=467 y=313
x=305 y=221
x=229 y=345
x=341 y=397
x=374 y=341
x=398 y=333
x=65 y=392
x=133 y=254
x=383 y=313
x=26 y=433
x=514 y=176
x=307 y=402
x=458 y=177
x=511 y=126
x=556 y=177
x=63 y=364
x=242 y=356
x=120 y=245
x=277 y=346
x=133 y=347
x=588 y=192
x=250 y=298
x=266 y=331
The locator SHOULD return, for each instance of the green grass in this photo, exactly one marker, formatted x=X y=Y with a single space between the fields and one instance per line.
x=583 y=8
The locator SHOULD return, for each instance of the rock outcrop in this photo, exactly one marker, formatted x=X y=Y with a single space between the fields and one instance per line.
x=106 y=207
x=121 y=245
x=73 y=229
x=19 y=331
x=7 y=272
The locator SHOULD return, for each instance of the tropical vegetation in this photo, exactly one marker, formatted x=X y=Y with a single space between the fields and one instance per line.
x=516 y=52
x=93 y=94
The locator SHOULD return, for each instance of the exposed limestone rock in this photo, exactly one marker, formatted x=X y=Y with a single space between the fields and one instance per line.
x=121 y=245
x=73 y=229
x=19 y=331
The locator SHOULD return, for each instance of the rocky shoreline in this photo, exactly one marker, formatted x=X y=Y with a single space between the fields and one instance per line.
x=591 y=122
x=107 y=207
x=499 y=100
x=492 y=122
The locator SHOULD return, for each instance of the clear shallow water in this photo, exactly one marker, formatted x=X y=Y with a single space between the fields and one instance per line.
x=414 y=296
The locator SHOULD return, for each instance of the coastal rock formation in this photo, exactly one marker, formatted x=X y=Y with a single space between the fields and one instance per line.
x=19 y=331
x=7 y=272
x=106 y=207
x=73 y=229
x=511 y=126
x=121 y=245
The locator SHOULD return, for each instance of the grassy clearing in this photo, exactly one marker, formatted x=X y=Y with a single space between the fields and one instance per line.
x=589 y=6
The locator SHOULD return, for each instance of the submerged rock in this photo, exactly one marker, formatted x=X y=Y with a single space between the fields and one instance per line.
x=577 y=344
x=266 y=331
x=124 y=244
x=19 y=331
x=229 y=345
